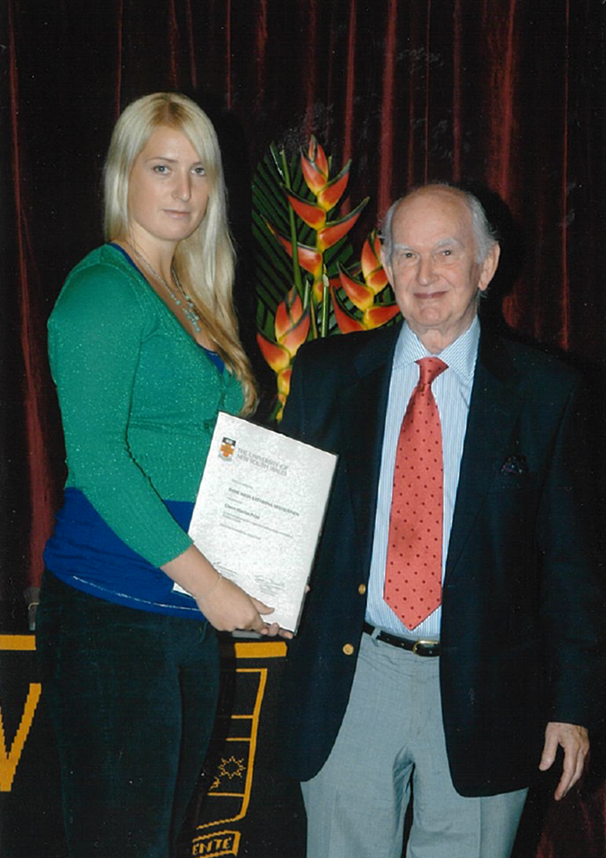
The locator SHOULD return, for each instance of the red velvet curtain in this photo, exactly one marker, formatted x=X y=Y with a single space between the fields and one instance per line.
x=503 y=92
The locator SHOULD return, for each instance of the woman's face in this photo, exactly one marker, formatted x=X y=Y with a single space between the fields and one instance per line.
x=168 y=190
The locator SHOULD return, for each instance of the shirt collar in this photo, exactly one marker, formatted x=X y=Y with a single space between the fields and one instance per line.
x=460 y=355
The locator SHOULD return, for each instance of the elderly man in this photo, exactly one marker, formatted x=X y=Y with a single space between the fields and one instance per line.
x=450 y=643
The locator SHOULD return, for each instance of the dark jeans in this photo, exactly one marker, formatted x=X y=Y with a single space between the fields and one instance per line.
x=132 y=696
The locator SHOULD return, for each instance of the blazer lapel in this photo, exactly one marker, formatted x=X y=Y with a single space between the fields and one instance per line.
x=363 y=406
x=493 y=411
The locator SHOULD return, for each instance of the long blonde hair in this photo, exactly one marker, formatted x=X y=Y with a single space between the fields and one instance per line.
x=205 y=261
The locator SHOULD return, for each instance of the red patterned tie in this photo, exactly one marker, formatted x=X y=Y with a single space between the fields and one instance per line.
x=413 y=575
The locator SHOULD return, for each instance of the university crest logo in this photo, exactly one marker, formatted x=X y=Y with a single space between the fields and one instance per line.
x=227 y=448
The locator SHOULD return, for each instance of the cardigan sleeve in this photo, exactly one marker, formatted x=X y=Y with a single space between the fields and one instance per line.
x=95 y=335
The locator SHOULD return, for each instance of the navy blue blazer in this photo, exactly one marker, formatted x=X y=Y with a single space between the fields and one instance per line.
x=522 y=603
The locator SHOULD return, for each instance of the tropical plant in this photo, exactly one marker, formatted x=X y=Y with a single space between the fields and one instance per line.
x=314 y=290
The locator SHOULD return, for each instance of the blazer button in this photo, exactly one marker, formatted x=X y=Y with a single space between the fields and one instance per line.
x=362 y=589
x=348 y=649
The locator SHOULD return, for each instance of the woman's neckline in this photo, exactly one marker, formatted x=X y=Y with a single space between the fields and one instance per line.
x=132 y=262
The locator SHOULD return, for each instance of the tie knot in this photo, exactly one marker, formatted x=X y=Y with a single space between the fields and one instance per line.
x=430 y=368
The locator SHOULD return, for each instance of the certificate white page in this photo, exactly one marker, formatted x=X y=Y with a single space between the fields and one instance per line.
x=259 y=511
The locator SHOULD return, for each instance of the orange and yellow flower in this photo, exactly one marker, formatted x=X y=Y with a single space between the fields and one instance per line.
x=355 y=293
x=372 y=268
x=291 y=326
x=362 y=294
x=328 y=192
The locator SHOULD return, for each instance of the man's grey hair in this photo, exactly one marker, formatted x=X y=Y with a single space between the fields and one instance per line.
x=484 y=232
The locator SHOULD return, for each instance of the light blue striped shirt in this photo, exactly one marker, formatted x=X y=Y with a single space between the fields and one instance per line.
x=452 y=392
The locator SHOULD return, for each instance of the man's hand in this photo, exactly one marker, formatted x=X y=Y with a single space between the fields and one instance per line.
x=575 y=742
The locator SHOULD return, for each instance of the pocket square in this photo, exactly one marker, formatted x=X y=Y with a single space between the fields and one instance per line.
x=515 y=465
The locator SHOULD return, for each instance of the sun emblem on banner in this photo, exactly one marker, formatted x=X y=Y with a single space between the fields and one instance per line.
x=228 y=768
x=227 y=448
x=231 y=774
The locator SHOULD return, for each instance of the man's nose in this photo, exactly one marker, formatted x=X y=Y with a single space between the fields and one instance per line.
x=426 y=272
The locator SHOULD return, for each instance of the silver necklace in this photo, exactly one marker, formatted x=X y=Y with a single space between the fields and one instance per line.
x=188 y=308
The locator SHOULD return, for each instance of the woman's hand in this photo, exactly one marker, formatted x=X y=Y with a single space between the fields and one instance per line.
x=274 y=629
x=227 y=607
x=235 y=609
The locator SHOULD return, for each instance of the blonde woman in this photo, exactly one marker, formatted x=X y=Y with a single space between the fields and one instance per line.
x=144 y=351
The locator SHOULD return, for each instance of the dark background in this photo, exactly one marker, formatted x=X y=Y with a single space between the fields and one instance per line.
x=509 y=94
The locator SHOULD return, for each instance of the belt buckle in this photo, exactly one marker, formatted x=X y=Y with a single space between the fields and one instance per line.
x=418 y=647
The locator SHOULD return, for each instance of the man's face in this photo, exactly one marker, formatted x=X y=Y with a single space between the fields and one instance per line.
x=433 y=269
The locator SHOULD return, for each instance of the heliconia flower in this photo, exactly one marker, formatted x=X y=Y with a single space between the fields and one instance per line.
x=314 y=179
x=376 y=316
x=314 y=166
x=276 y=356
x=308 y=257
x=297 y=334
x=292 y=322
x=371 y=251
x=335 y=231
x=284 y=383
x=291 y=325
x=316 y=153
x=288 y=313
x=358 y=293
x=314 y=216
x=377 y=281
x=353 y=293
x=372 y=269
x=331 y=193
x=317 y=289
x=347 y=324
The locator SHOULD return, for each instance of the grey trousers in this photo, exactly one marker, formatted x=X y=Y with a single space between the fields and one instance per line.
x=391 y=741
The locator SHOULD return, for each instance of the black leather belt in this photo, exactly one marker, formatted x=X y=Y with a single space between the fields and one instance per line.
x=424 y=648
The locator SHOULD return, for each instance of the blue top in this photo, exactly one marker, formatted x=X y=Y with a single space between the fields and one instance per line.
x=85 y=553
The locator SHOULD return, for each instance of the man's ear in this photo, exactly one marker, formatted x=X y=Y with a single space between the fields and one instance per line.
x=489 y=267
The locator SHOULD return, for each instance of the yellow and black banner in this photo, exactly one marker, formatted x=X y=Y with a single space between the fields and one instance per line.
x=243 y=808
